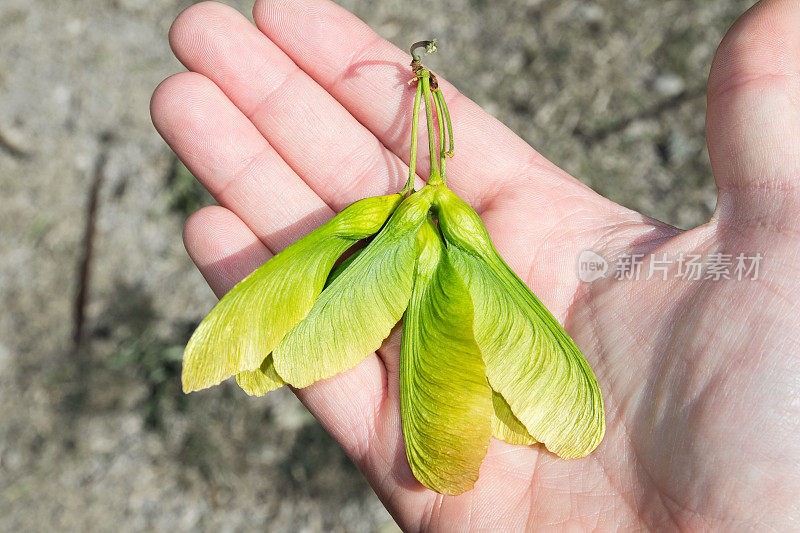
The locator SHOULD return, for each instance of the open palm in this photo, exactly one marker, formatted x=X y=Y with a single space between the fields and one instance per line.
x=288 y=122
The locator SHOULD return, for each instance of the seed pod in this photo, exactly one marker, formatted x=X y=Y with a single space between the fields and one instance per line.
x=530 y=360
x=357 y=311
x=480 y=355
x=248 y=322
x=445 y=400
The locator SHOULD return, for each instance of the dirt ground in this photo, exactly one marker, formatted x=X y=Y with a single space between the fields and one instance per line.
x=94 y=432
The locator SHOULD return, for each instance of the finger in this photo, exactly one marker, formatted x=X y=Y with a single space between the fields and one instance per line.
x=368 y=76
x=224 y=249
x=233 y=161
x=753 y=121
x=336 y=156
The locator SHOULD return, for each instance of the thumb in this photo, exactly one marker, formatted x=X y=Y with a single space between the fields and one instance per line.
x=753 y=119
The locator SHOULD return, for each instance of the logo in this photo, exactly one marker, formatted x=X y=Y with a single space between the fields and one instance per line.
x=591 y=266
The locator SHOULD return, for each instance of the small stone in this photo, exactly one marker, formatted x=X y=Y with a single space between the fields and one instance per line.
x=591 y=13
x=669 y=84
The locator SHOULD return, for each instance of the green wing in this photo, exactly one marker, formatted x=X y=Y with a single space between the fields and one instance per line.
x=530 y=360
x=260 y=381
x=446 y=402
x=357 y=311
x=506 y=426
x=249 y=321
x=341 y=267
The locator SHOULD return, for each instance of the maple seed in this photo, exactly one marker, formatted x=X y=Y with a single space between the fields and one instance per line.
x=480 y=355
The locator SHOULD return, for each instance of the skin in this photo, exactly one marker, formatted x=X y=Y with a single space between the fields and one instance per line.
x=290 y=120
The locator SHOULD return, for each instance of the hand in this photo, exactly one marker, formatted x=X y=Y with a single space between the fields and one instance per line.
x=288 y=122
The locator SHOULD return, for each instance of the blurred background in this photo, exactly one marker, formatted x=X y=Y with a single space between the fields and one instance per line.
x=99 y=297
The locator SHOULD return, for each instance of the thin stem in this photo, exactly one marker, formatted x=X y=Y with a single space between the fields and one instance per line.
x=440 y=97
x=435 y=178
x=412 y=163
x=437 y=99
x=430 y=47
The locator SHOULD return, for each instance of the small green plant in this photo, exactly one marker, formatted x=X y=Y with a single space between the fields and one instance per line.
x=156 y=362
x=481 y=356
x=184 y=194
